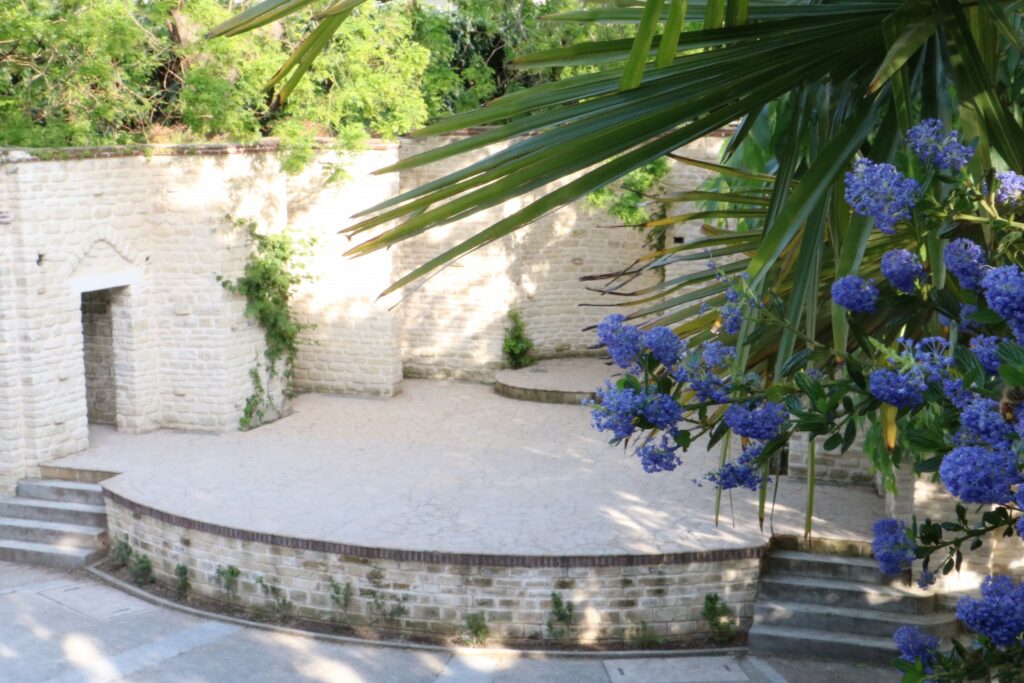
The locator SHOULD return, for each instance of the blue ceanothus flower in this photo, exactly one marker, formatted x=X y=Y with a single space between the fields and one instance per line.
x=891 y=546
x=983 y=424
x=622 y=341
x=998 y=613
x=933 y=144
x=986 y=350
x=732 y=313
x=739 y=473
x=855 y=294
x=881 y=192
x=699 y=370
x=965 y=259
x=1004 y=293
x=662 y=411
x=903 y=269
x=1011 y=187
x=914 y=644
x=659 y=456
x=976 y=474
x=761 y=421
x=616 y=409
x=663 y=344
x=900 y=389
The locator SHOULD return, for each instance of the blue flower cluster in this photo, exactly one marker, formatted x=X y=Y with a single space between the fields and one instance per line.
x=740 y=473
x=891 y=546
x=1004 y=293
x=956 y=392
x=662 y=411
x=931 y=356
x=902 y=269
x=761 y=421
x=732 y=312
x=1011 y=186
x=699 y=371
x=934 y=145
x=998 y=613
x=663 y=344
x=1019 y=499
x=900 y=389
x=855 y=294
x=881 y=192
x=914 y=644
x=976 y=474
x=616 y=409
x=986 y=349
x=926 y=579
x=982 y=424
x=660 y=456
x=965 y=259
x=622 y=341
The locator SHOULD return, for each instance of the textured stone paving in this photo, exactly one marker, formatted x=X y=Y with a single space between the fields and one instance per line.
x=121 y=639
x=451 y=467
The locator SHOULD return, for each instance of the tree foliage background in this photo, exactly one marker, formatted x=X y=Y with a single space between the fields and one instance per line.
x=87 y=72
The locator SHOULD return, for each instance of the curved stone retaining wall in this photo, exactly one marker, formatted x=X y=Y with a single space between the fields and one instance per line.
x=430 y=594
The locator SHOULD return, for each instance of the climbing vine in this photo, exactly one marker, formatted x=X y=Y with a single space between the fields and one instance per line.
x=273 y=270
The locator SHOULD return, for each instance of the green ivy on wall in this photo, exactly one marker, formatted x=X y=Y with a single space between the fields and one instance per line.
x=274 y=268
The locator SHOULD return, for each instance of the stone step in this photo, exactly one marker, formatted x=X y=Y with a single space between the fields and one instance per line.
x=795 y=563
x=54 y=511
x=54 y=533
x=780 y=640
x=845 y=594
x=74 y=474
x=46 y=555
x=851 y=620
x=66 y=491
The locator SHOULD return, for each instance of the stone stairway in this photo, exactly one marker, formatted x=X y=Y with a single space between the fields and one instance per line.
x=837 y=607
x=54 y=523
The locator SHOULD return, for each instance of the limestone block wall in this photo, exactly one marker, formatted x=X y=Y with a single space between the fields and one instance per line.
x=851 y=467
x=153 y=226
x=453 y=323
x=429 y=595
x=353 y=347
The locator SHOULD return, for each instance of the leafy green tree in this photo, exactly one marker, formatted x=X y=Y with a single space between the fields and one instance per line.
x=75 y=72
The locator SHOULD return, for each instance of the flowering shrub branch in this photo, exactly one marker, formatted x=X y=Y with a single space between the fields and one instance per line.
x=935 y=374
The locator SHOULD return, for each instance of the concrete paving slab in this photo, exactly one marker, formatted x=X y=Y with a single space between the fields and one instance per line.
x=469 y=669
x=258 y=657
x=95 y=601
x=676 y=670
x=519 y=670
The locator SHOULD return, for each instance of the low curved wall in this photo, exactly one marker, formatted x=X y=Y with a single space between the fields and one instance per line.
x=429 y=595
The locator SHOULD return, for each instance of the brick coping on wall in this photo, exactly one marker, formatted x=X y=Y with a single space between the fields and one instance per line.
x=22 y=155
x=432 y=557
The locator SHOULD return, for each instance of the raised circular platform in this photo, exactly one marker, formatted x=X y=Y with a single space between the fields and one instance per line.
x=569 y=381
x=448 y=500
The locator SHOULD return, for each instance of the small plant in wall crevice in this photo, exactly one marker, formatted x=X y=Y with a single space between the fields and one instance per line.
x=517 y=345
x=274 y=268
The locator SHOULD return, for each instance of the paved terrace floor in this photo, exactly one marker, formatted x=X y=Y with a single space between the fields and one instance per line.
x=451 y=467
